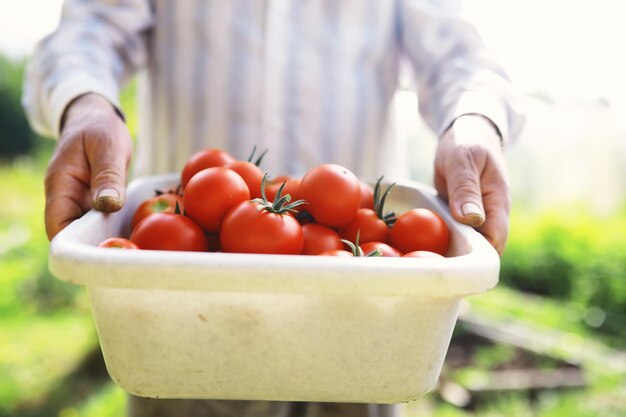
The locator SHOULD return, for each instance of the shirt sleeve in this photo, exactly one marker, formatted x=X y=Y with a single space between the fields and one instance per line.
x=96 y=47
x=456 y=74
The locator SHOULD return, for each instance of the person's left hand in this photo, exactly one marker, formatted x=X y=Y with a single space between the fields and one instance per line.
x=470 y=172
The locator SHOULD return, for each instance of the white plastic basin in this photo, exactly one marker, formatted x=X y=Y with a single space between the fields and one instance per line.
x=272 y=327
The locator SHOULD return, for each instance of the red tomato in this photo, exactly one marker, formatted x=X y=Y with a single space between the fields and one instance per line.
x=163 y=203
x=332 y=193
x=291 y=187
x=319 y=238
x=367 y=195
x=420 y=229
x=206 y=158
x=251 y=174
x=250 y=228
x=369 y=227
x=118 y=243
x=211 y=193
x=422 y=254
x=336 y=252
x=165 y=231
x=385 y=249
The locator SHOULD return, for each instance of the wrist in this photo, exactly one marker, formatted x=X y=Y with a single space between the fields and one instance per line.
x=474 y=127
x=87 y=106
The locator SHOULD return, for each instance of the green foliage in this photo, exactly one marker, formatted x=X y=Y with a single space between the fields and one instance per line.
x=37 y=351
x=129 y=106
x=492 y=356
x=548 y=403
x=572 y=256
x=23 y=245
x=554 y=404
x=16 y=137
x=109 y=402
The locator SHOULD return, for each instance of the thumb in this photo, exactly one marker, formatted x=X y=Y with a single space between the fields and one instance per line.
x=465 y=197
x=108 y=177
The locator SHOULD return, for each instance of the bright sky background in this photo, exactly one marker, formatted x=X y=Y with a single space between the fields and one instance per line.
x=24 y=22
x=569 y=48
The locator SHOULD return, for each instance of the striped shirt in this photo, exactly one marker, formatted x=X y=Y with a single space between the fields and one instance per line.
x=310 y=80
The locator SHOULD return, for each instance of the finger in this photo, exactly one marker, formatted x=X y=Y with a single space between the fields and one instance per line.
x=109 y=163
x=63 y=209
x=441 y=185
x=67 y=195
x=464 y=191
x=496 y=226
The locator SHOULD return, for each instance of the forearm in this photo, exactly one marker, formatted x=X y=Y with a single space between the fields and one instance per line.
x=95 y=48
x=456 y=73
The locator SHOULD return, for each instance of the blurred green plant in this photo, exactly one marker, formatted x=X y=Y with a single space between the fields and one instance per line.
x=572 y=255
x=16 y=137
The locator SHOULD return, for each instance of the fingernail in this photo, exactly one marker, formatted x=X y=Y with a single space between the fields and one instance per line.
x=108 y=193
x=473 y=213
x=108 y=200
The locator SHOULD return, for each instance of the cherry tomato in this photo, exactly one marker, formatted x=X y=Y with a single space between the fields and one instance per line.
x=337 y=252
x=332 y=193
x=250 y=228
x=319 y=238
x=420 y=229
x=385 y=249
x=163 y=203
x=369 y=227
x=206 y=158
x=165 y=231
x=251 y=174
x=211 y=193
x=422 y=254
x=118 y=243
x=367 y=195
x=291 y=187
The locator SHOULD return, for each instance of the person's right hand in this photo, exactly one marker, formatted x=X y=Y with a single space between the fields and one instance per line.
x=89 y=165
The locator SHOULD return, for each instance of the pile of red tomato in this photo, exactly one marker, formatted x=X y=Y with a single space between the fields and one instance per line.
x=229 y=205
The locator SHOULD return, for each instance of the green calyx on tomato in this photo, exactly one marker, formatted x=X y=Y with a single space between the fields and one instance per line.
x=160 y=205
x=259 y=159
x=282 y=203
x=260 y=226
x=357 y=251
x=379 y=203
